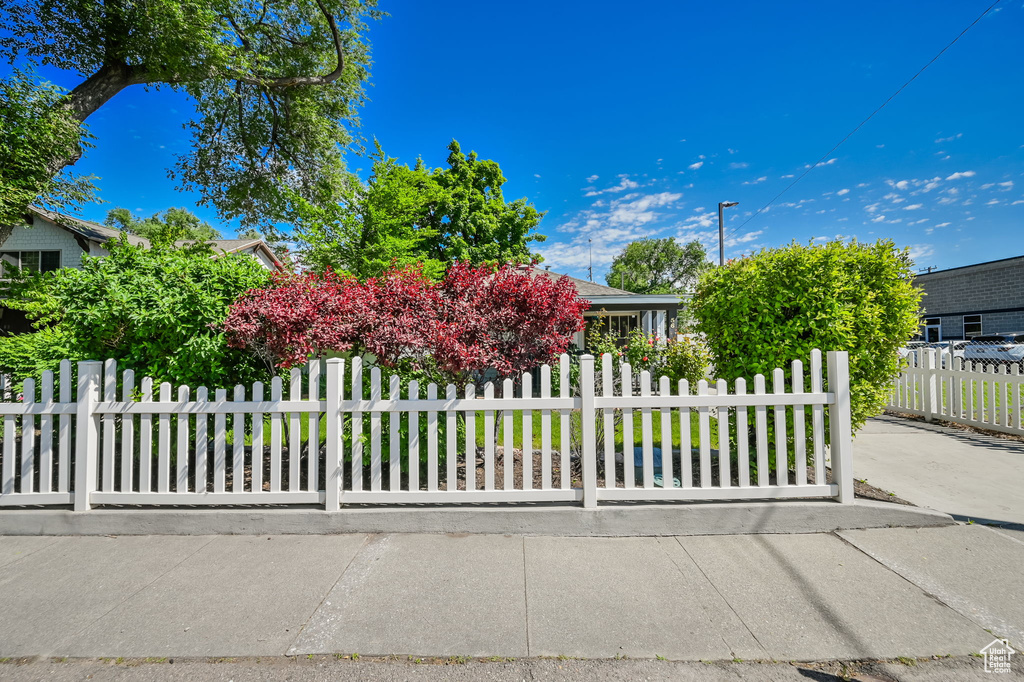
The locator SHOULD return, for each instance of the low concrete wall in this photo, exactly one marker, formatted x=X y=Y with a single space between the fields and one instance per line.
x=608 y=520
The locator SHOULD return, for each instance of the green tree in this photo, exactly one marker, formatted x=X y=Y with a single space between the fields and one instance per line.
x=157 y=311
x=163 y=228
x=274 y=83
x=406 y=215
x=658 y=266
x=764 y=311
x=36 y=133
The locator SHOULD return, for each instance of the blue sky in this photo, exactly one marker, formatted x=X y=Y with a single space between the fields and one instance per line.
x=625 y=121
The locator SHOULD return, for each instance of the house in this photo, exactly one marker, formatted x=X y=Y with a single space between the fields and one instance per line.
x=50 y=241
x=620 y=311
x=968 y=301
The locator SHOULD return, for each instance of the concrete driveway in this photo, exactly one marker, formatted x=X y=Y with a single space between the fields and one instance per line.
x=968 y=475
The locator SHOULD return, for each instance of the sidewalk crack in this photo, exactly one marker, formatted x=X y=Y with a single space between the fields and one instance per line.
x=526 y=601
x=721 y=596
x=327 y=593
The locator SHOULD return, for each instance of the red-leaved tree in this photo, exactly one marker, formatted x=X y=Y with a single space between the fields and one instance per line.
x=475 y=319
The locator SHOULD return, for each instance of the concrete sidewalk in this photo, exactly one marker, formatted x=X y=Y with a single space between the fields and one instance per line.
x=968 y=475
x=879 y=593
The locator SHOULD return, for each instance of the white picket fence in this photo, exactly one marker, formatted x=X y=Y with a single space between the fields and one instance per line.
x=122 y=443
x=940 y=386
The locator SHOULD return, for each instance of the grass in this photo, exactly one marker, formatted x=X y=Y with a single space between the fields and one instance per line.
x=517 y=419
x=970 y=406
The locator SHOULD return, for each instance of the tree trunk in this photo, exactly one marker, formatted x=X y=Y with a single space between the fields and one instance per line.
x=92 y=94
x=98 y=88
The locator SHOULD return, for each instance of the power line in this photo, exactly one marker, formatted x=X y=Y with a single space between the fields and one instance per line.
x=861 y=124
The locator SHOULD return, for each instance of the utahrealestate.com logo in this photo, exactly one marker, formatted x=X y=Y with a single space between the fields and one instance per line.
x=997 y=656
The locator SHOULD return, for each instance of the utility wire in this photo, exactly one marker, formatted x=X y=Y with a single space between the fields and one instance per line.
x=861 y=124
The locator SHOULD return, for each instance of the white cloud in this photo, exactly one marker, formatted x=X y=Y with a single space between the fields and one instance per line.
x=878 y=218
x=695 y=166
x=1019 y=201
x=943 y=224
x=902 y=184
x=913 y=207
x=787 y=176
x=593 y=178
x=949 y=139
x=993 y=202
x=639 y=212
x=880 y=146
x=731 y=150
x=821 y=163
x=921 y=251
x=536 y=175
x=702 y=220
x=872 y=208
x=743 y=238
x=842 y=192
x=757 y=181
x=624 y=184
x=738 y=164
x=1007 y=186
x=962 y=174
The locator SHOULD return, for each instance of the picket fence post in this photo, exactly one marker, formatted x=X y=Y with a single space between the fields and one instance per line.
x=840 y=428
x=87 y=433
x=332 y=467
x=930 y=385
x=588 y=415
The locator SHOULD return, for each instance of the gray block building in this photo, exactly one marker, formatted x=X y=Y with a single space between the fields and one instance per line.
x=985 y=298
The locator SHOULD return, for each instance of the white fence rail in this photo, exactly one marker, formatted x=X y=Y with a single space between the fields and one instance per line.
x=346 y=437
x=941 y=386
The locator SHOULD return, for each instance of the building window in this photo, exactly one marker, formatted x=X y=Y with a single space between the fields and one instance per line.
x=932 y=329
x=619 y=325
x=34 y=261
x=972 y=326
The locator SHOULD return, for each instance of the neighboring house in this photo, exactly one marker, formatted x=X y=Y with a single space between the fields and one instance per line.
x=623 y=311
x=50 y=241
x=968 y=301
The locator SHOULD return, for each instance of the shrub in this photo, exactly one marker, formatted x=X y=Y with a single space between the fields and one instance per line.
x=29 y=355
x=156 y=311
x=475 y=319
x=764 y=311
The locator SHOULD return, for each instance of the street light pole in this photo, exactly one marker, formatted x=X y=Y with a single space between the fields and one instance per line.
x=722 y=205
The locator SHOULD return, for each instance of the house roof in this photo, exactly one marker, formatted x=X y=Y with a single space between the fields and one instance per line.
x=237 y=245
x=599 y=293
x=103 y=233
x=584 y=287
x=85 y=228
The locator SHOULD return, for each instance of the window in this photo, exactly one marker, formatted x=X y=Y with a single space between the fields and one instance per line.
x=36 y=261
x=972 y=326
x=619 y=325
x=932 y=329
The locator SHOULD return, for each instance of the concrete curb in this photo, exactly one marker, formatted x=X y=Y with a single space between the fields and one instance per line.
x=606 y=521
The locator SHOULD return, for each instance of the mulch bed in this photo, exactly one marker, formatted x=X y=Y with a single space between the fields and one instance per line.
x=574 y=473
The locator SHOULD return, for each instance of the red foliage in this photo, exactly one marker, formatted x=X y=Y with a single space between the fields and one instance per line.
x=474 y=320
x=505 y=320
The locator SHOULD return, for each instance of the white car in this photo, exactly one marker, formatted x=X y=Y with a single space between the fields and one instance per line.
x=911 y=347
x=949 y=346
x=1006 y=348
